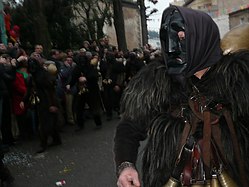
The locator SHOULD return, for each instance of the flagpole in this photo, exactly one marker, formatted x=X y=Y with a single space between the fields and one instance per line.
x=2 y=25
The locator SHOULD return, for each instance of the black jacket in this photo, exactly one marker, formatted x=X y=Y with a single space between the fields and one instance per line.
x=7 y=75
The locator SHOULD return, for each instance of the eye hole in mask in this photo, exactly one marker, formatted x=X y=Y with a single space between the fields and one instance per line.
x=172 y=35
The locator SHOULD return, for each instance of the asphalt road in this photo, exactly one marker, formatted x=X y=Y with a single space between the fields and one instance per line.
x=85 y=159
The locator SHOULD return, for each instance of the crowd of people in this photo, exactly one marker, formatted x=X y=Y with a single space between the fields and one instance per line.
x=190 y=102
x=40 y=94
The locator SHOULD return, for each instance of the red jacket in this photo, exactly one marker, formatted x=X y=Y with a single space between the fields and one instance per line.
x=19 y=88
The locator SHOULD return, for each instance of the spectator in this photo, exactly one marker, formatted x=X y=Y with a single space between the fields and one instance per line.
x=67 y=96
x=7 y=75
x=44 y=90
x=19 y=104
x=85 y=76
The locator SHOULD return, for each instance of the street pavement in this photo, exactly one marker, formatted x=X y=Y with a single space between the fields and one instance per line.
x=85 y=159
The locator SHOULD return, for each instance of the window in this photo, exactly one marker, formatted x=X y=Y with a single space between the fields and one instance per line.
x=242 y=20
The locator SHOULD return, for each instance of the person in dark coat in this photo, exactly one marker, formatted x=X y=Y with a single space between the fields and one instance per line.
x=7 y=75
x=113 y=74
x=106 y=70
x=133 y=65
x=64 y=77
x=85 y=76
x=43 y=92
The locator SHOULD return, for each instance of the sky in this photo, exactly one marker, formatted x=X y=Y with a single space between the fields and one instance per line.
x=154 y=23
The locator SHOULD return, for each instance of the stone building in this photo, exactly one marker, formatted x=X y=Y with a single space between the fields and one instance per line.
x=133 y=28
x=226 y=13
x=132 y=21
x=211 y=7
x=177 y=2
x=238 y=17
x=237 y=11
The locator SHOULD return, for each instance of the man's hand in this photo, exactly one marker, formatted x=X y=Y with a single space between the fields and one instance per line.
x=116 y=89
x=22 y=58
x=128 y=178
x=82 y=79
x=68 y=87
x=13 y=62
x=2 y=60
x=21 y=105
x=53 y=109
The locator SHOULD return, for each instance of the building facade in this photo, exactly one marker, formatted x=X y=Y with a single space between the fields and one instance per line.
x=226 y=13
x=133 y=30
x=239 y=17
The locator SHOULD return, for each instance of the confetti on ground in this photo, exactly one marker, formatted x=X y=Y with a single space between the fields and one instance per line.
x=60 y=183
x=18 y=158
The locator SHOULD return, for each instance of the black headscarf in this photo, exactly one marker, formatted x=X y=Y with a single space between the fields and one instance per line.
x=202 y=39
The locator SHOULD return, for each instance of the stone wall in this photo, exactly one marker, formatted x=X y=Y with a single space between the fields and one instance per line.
x=238 y=18
x=223 y=24
x=132 y=28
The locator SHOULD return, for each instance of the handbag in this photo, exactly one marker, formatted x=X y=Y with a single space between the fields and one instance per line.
x=34 y=99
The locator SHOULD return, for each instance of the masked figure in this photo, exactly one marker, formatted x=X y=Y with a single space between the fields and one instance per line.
x=191 y=108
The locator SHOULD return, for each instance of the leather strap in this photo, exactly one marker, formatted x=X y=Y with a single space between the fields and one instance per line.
x=187 y=171
x=184 y=157
x=236 y=147
x=217 y=146
x=206 y=149
x=194 y=105
x=185 y=135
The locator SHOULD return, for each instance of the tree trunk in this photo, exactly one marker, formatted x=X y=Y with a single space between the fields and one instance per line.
x=143 y=22
x=40 y=24
x=100 y=25
x=2 y=25
x=89 y=24
x=119 y=25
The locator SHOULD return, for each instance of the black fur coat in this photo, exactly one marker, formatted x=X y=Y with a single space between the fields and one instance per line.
x=152 y=96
